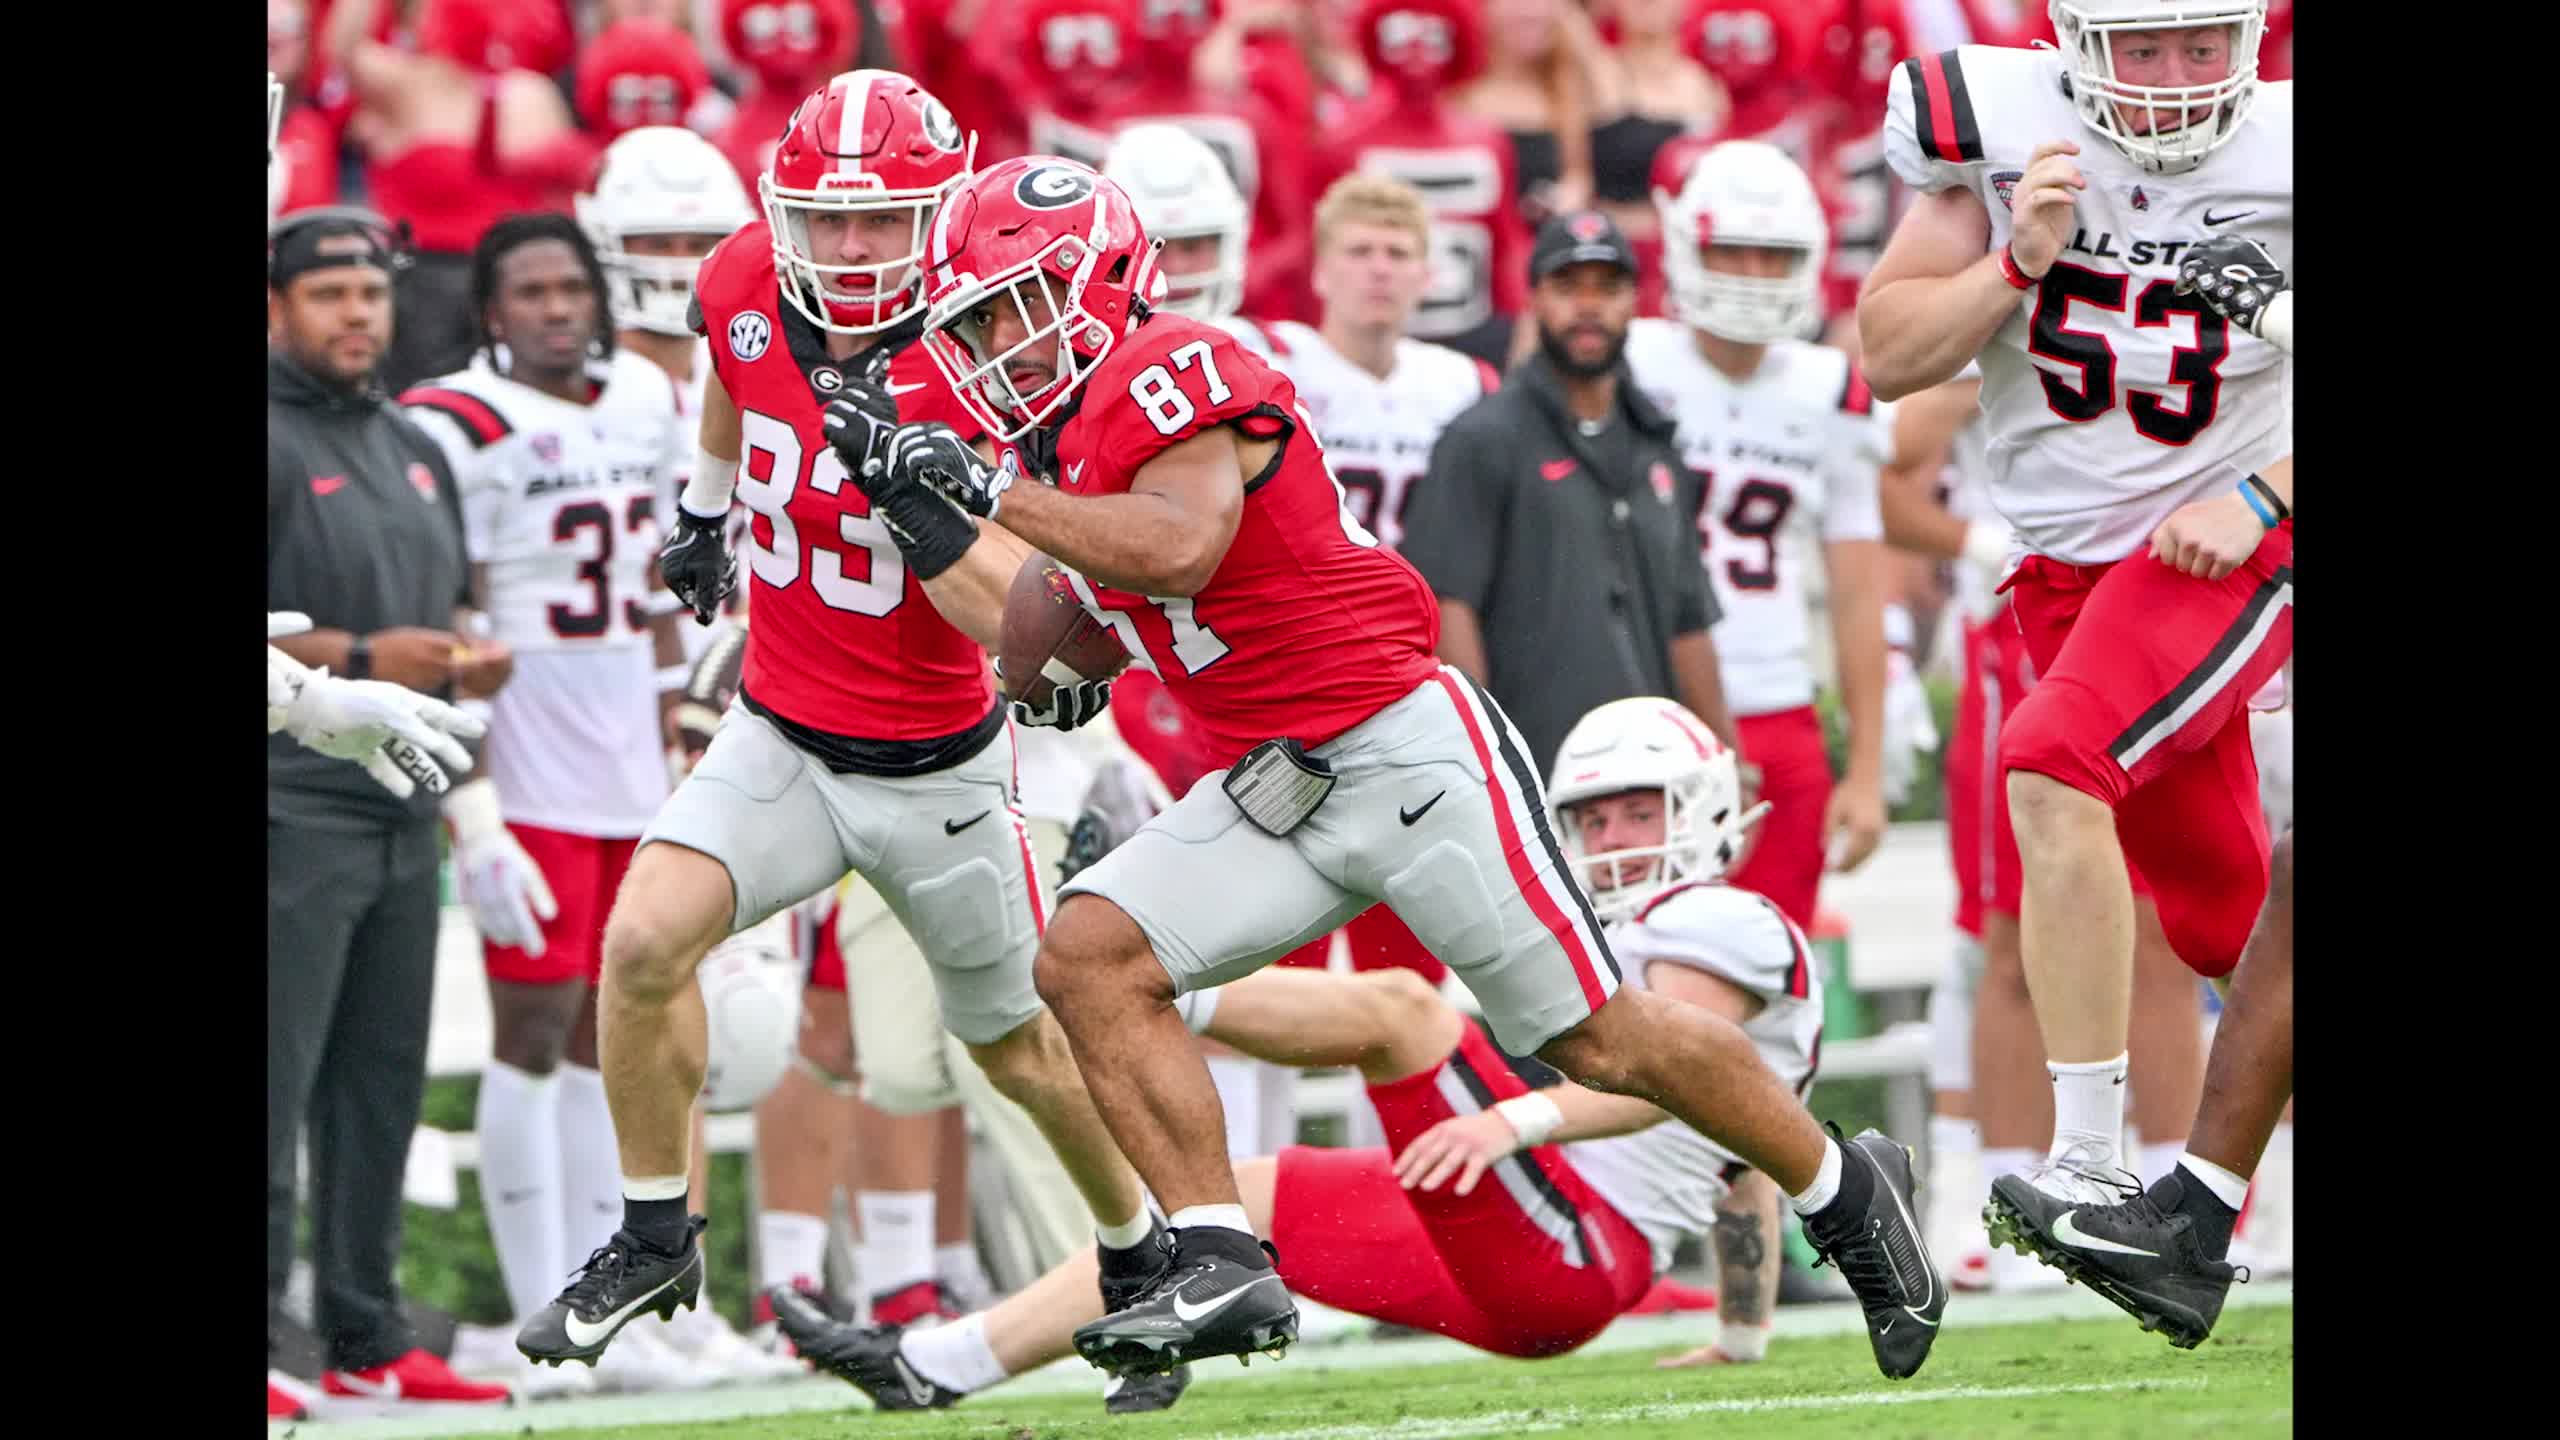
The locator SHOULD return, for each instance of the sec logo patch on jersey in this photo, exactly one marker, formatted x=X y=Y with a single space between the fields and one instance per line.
x=749 y=334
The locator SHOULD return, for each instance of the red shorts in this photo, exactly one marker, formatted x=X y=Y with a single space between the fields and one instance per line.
x=1379 y=941
x=1785 y=863
x=583 y=873
x=1996 y=678
x=2143 y=682
x=1532 y=1262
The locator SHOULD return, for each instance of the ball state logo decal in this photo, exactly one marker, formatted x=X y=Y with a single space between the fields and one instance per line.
x=749 y=334
x=1587 y=227
x=425 y=481
x=2005 y=184
x=1661 y=478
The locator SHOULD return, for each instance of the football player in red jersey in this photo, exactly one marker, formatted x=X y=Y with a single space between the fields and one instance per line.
x=1197 y=517
x=865 y=736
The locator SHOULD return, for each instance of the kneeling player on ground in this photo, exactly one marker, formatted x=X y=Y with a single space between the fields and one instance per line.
x=1520 y=1222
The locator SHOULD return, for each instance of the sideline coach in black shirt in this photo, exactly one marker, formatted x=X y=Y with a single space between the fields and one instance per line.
x=364 y=535
x=1557 y=524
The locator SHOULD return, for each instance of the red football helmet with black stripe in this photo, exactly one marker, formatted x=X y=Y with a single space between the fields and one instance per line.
x=868 y=142
x=1059 y=247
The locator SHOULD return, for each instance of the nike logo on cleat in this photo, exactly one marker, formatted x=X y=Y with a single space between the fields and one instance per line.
x=1416 y=813
x=2212 y=219
x=1191 y=1314
x=919 y=1389
x=583 y=1334
x=2073 y=1236
x=954 y=827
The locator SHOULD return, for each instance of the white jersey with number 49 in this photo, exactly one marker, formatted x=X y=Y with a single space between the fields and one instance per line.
x=559 y=502
x=1787 y=459
x=2112 y=400
x=1377 y=434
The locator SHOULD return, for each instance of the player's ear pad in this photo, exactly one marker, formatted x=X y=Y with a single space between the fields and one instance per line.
x=1443 y=900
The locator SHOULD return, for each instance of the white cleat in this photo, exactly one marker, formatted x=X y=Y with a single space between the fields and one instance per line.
x=488 y=1352
x=641 y=1361
x=2083 y=1174
x=723 y=1354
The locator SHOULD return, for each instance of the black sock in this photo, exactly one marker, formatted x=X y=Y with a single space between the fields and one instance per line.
x=658 y=1224
x=2181 y=1194
x=1200 y=1240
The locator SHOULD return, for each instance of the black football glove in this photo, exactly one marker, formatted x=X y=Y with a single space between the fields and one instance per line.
x=2236 y=276
x=931 y=532
x=696 y=563
x=934 y=454
x=859 y=422
x=1069 y=705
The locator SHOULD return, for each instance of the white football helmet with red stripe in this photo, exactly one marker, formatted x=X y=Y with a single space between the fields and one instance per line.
x=1744 y=192
x=868 y=141
x=659 y=180
x=1183 y=192
x=1649 y=743
x=1061 y=246
x=2182 y=124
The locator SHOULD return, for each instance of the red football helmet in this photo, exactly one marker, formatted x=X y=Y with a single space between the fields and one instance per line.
x=1753 y=46
x=1059 y=244
x=865 y=142
x=1423 y=46
x=1081 y=50
x=638 y=72
x=1168 y=30
x=787 y=41
x=1860 y=46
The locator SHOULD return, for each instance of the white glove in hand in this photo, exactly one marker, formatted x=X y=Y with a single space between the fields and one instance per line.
x=501 y=884
x=1910 y=730
x=402 y=739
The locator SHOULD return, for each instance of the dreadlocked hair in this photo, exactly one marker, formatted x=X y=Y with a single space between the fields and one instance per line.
x=504 y=236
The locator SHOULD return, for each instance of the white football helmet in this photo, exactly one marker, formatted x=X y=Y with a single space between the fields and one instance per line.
x=1182 y=191
x=1743 y=192
x=2084 y=26
x=658 y=180
x=751 y=998
x=1649 y=743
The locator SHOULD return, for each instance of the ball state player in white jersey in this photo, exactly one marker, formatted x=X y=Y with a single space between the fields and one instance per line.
x=866 y=735
x=1518 y=1222
x=2141 y=447
x=1787 y=442
x=1196 y=515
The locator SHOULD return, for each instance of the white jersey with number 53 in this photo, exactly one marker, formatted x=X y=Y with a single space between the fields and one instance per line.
x=2112 y=400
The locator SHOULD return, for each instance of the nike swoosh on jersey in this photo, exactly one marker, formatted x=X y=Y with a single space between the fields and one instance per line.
x=895 y=388
x=581 y=1333
x=2078 y=1239
x=2212 y=219
x=1187 y=1313
x=1075 y=473
x=1410 y=816
x=954 y=827
x=328 y=484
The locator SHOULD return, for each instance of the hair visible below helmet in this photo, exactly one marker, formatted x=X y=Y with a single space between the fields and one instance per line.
x=1035 y=221
x=638 y=72
x=2084 y=29
x=1182 y=191
x=1743 y=192
x=867 y=140
x=658 y=180
x=1649 y=743
x=504 y=236
x=1422 y=46
x=786 y=41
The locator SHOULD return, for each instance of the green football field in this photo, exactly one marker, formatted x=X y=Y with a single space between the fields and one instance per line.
x=2043 y=1365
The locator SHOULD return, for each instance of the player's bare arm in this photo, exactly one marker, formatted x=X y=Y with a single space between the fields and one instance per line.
x=1924 y=429
x=1462 y=639
x=1934 y=298
x=1854 y=822
x=1167 y=535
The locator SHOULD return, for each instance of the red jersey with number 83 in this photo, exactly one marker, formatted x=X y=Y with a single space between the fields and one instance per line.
x=1308 y=626
x=844 y=639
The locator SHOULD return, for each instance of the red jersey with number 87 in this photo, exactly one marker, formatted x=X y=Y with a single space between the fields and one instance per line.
x=1308 y=626
x=844 y=639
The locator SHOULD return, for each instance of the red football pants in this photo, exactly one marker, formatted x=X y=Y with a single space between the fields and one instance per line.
x=1785 y=863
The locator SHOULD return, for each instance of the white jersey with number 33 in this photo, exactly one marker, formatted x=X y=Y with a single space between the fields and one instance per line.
x=2112 y=399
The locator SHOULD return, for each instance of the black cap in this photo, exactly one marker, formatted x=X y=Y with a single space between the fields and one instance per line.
x=1575 y=237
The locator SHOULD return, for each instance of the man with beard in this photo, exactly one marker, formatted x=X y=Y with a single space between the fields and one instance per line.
x=1554 y=521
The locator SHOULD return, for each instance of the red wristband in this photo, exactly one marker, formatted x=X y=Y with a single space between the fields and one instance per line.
x=2009 y=271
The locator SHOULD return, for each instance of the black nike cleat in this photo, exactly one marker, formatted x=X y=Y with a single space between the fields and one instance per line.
x=1142 y=1394
x=1880 y=1253
x=2146 y=1258
x=618 y=1284
x=1209 y=1302
x=863 y=1356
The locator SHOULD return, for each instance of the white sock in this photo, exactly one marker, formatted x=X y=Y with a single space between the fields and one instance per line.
x=1225 y=1217
x=958 y=1267
x=590 y=1166
x=656 y=1187
x=518 y=1120
x=954 y=1356
x=1127 y=1233
x=2005 y=1160
x=1953 y=1135
x=2158 y=1160
x=2230 y=1189
x=1239 y=1083
x=1826 y=1182
x=2088 y=1107
x=896 y=1249
x=1279 y=1127
x=791 y=1249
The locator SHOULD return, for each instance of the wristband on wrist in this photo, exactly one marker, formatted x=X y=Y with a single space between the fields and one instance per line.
x=706 y=495
x=360 y=658
x=1533 y=1117
x=2018 y=279
x=2257 y=506
x=1746 y=1343
x=2268 y=493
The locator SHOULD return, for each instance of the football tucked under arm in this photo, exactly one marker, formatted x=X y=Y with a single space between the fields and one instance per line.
x=1049 y=638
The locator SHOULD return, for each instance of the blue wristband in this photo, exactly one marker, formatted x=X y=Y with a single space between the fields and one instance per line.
x=2265 y=516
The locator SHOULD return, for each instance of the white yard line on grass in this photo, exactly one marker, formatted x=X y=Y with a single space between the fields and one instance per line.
x=1070 y=1376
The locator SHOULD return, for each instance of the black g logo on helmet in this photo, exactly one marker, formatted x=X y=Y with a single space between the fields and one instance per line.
x=1053 y=187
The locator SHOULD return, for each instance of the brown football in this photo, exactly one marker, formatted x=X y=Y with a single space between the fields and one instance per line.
x=1045 y=626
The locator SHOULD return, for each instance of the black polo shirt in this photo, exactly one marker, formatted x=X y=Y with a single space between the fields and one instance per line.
x=364 y=533
x=1578 y=552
